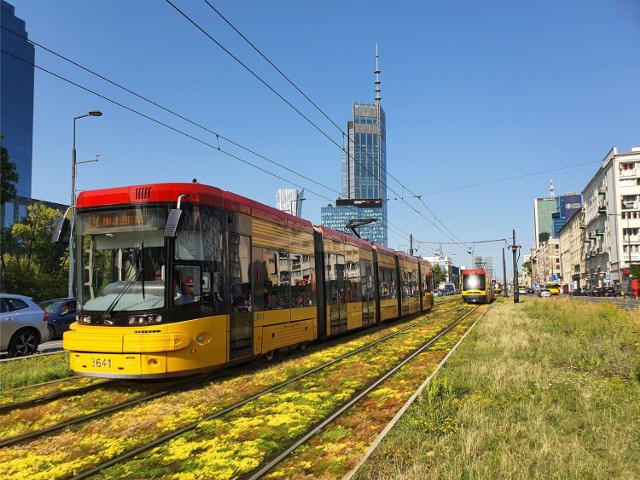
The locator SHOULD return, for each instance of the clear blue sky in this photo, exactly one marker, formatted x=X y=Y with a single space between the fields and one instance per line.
x=474 y=92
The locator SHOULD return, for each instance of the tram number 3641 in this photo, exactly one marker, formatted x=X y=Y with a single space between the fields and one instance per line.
x=101 y=363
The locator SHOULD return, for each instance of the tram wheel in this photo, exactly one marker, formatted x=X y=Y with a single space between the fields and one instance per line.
x=269 y=355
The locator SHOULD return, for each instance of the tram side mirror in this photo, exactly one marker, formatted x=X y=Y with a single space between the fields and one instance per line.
x=60 y=230
x=171 y=227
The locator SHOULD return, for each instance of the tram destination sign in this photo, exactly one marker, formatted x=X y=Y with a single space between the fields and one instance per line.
x=129 y=219
x=117 y=219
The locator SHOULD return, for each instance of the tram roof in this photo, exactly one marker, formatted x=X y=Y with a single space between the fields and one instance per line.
x=477 y=271
x=197 y=194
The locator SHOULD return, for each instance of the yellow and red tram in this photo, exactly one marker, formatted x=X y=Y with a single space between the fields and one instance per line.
x=180 y=278
x=477 y=286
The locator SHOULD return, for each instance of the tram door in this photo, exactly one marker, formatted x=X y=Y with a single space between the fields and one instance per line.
x=366 y=284
x=336 y=293
x=241 y=317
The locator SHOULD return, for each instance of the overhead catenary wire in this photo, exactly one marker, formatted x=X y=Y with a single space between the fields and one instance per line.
x=218 y=137
x=182 y=117
x=270 y=88
x=176 y=130
x=168 y=110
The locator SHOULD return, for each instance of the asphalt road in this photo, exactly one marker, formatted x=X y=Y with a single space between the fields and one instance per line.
x=46 y=347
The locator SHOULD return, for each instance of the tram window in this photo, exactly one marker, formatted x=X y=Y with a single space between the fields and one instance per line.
x=335 y=278
x=200 y=235
x=239 y=262
x=187 y=286
x=271 y=279
x=301 y=280
x=388 y=283
x=366 y=280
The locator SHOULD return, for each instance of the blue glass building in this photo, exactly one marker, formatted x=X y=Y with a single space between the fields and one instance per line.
x=364 y=173
x=567 y=206
x=16 y=102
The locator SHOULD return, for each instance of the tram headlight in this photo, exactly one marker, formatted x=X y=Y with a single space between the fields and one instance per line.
x=86 y=319
x=144 y=319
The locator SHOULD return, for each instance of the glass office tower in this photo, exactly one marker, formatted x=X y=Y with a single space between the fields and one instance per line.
x=543 y=210
x=364 y=173
x=16 y=95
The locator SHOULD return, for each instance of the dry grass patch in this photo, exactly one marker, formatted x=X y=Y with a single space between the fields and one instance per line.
x=541 y=389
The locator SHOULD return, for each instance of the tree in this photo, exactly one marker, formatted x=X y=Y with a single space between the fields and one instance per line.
x=9 y=176
x=527 y=268
x=544 y=237
x=32 y=265
x=439 y=275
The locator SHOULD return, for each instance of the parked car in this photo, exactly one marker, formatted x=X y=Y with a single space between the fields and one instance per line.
x=62 y=313
x=610 y=292
x=23 y=325
x=544 y=292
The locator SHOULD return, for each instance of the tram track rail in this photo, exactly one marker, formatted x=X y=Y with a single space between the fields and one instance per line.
x=132 y=453
x=353 y=401
x=56 y=395
x=235 y=407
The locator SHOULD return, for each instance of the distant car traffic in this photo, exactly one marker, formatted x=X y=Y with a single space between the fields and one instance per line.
x=23 y=325
x=62 y=313
x=544 y=292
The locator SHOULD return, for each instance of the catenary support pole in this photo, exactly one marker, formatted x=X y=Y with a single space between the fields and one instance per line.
x=514 y=249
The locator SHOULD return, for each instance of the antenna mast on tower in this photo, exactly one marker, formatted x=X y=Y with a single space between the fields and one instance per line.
x=551 y=191
x=377 y=72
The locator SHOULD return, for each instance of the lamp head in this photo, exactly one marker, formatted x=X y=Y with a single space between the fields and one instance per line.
x=95 y=113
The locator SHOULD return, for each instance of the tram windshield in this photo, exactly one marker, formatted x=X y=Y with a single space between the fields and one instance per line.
x=121 y=264
x=473 y=282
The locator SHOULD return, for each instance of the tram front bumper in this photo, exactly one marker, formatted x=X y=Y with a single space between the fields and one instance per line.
x=146 y=342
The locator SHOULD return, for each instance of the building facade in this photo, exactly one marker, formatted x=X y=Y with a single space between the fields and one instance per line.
x=546 y=262
x=572 y=253
x=15 y=211
x=16 y=96
x=567 y=206
x=484 y=262
x=612 y=220
x=597 y=246
x=452 y=273
x=290 y=200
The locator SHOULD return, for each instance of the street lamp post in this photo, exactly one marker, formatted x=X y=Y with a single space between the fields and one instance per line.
x=72 y=289
x=93 y=113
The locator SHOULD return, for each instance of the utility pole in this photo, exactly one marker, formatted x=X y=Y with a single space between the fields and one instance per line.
x=504 y=275
x=411 y=245
x=514 y=249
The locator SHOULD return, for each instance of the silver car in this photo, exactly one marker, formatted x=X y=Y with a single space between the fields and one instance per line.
x=544 y=292
x=23 y=325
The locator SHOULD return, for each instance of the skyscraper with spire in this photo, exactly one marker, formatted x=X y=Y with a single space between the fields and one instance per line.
x=364 y=173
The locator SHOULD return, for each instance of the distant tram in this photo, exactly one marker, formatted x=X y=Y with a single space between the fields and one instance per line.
x=554 y=288
x=477 y=286
x=180 y=278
